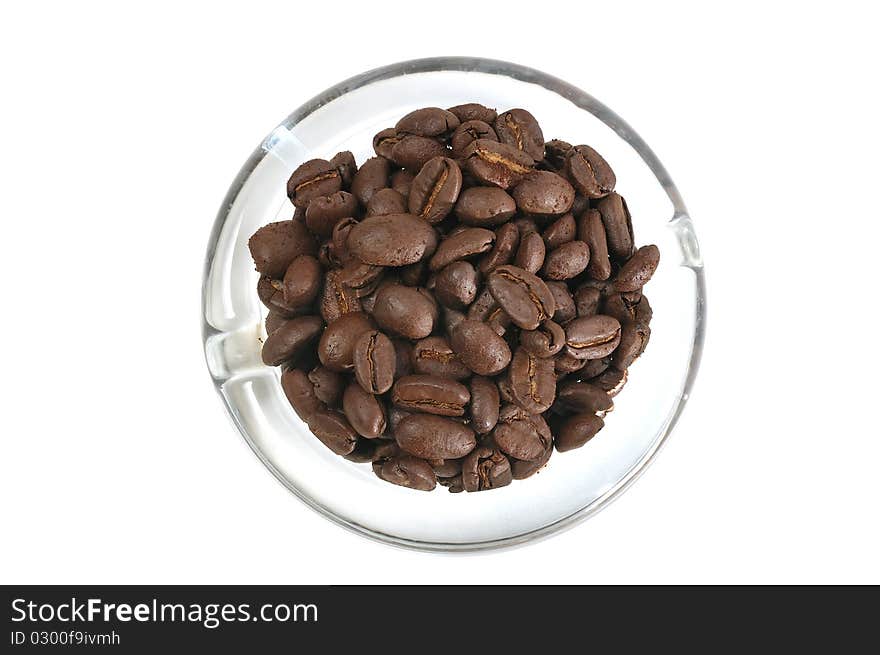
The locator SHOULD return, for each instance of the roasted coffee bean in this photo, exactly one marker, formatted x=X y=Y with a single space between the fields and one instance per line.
x=371 y=176
x=525 y=225
x=586 y=301
x=274 y=246
x=592 y=231
x=316 y=177
x=451 y=318
x=344 y=163
x=271 y=294
x=456 y=285
x=446 y=468
x=434 y=356
x=324 y=212
x=589 y=172
x=473 y=111
x=518 y=128
x=431 y=394
x=567 y=261
x=361 y=278
x=365 y=413
x=522 y=469
x=407 y=471
x=302 y=281
x=467 y=133
x=611 y=381
x=289 y=340
x=386 y=201
x=521 y=435
x=565 y=363
x=532 y=381
x=618 y=226
x=554 y=153
x=392 y=240
x=274 y=320
x=636 y=272
x=364 y=451
x=434 y=437
x=336 y=347
x=435 y=189
x=395 y=416
x=583 y=397
x=497 y=164
x=300 y=393
x=505 y=393
x=466 y=243
x=485 y=308
x=334 y=431
x=560 y=231
x=485 y=404
x=405 y=311
x=374 y=362
x=592 y=337
x=401 y=181
x=522 y=295
x=412 y=152
x=543 y=193
x=429 y=121
x=337 y=298
x=633 y=341
x=565 y=307
x=480 y=348
x=626 y=310
x=506 y=245
x=484 y=206
x=339 y=240
x=544 y=341
x=577 y=431
x=403 y=364
x=593 y=367
x=385 y=141
x=327 y=384
x=531 y=252
x=485 y=468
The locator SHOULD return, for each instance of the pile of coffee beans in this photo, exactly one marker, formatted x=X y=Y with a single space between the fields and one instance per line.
x=460 y=304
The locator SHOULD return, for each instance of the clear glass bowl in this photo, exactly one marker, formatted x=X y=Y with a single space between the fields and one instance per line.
x=574 y=485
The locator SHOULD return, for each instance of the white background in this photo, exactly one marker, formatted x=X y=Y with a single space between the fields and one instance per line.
x=120 y=131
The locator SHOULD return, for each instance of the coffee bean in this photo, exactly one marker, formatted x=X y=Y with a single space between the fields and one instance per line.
x=466 y=243
x=565 y=307
x=435 y=189
x=618 y=226
x=361 y=278
x=518 y=128
x=336 y=347
x=384 y=142
x=473 y=111
x=521 y=435
x=484 y=206
x=633 y=341
x=401 y=181
x=392 y=240
x=412 y=152
x=386 y=201
x=274 y=246
x=554 y=153
x=532 y=381
x=496 y=163
x=274 y=320
x=371 y=176
x=405 y=311
x=485 y=468
x=324 y=212
x=545 y=341
x=290 y=339
x=485 y=308
x=586 y=301
x=636 y=272
x=542 y=193
x=562 y=230
x=434 y=437
x=327 y=385
x=344 y=163
x=334 y=431
x=430 y=394
x=374 y=361
x=531 y=252
x=611 y=381
x=593 y=367
x=337 y=298
x=446 y=468
x=300 y=393
x=480 y=348
x=456 y=285
x=271 y=294
x=316 y=177
x=589 y=172
x=564 y=363
x=302 y=281
x=434 y=356
x=522 y=469
x=364 y=451
x=592 y=232
x=339 y=251
x=593 y=337
x=567 y=261
x=506 y=245
x=485 y=404
x=364 y=412
x=522 y=295
x=626 y=310
x=582 y=397
x=429 y=121
x=577 y=431
x=407 y=471
x=467 y=133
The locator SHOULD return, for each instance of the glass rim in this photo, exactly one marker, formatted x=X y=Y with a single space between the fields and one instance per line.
x=580 y=99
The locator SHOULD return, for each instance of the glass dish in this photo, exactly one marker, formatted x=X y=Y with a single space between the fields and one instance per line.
x=574 y=485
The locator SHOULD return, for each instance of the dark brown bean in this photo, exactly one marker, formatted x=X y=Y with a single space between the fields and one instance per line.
x=523 y=469
x=336 y=347
x=485 y=468
x=302 y=281
x=392 y=240
x=456 y=285
x=593 y=337
x=466 y=243
x=521 y=435
x=577 y=431
x=519 y=129
x=532 y=381
x=386 y=201
x=374 y=362
x=429 y=121
x=467 y=133
x=401 y=181
x=633 y=341
x=407 y=471
x=485 y=308
x=405 y=311
x=274 y=246
x=562 y=230
x=334 y=431
x=474 y=111
x=290 y=339
x=506 y=244
x=589 y=172
x=434 y=437
x=485 y=404
x=371 y=176
x=522 y=295
x=565 y=307
x=327 y=384
x=592 y=232
x=344 y=163
x=567 y=261
x=544 y=193
x=316 y=177
x=435 y=189
x=364 y=412
x=300 y=393
x=412 y=152
x=384 y=142
x=545 y=341
x=337 y=298
x=582 y=397
x=480 y=348
x=324 y=212
x=484 y=206
x=611 y=381
x=586 y=301
x=434 y=356
x=531 y=252
x=496 y=163
x=618 y=226
x=636 y=272
x=431 y=394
